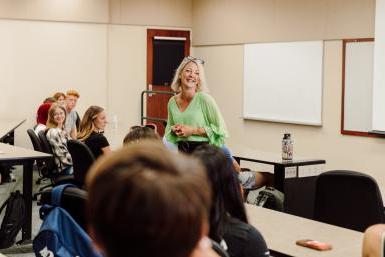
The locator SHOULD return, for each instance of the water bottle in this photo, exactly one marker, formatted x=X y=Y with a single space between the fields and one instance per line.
x=114 y=122
x=287 y=147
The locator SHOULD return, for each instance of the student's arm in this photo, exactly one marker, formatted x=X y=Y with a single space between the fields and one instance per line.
x=74 y=133
x=106 y=149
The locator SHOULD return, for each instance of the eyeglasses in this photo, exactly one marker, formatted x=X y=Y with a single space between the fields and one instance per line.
x=192 y=58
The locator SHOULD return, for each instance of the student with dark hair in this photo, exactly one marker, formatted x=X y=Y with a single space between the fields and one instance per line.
x=91 y=130
x=228 y=221
x=138 y=133
x=144 y=201
x=60 y=98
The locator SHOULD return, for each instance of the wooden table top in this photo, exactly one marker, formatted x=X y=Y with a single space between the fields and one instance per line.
x=282 y=230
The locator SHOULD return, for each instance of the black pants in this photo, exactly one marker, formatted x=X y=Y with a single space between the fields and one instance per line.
x=189 y=146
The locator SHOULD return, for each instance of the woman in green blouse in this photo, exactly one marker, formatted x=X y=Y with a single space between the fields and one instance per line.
x=194 y=119
x=193 y=116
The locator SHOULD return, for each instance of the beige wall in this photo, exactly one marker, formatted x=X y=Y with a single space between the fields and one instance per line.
x=56 y=10
x=127 y=72
x=40 y=58
x=218 y=22
x=340 y=152
x=169 y=13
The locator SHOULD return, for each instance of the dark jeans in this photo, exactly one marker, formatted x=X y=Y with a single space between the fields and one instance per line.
x=189 y=146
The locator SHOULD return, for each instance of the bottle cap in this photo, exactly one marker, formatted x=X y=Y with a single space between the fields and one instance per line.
x=286 y=136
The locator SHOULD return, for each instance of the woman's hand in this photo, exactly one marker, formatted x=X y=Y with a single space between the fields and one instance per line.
x=182 y=130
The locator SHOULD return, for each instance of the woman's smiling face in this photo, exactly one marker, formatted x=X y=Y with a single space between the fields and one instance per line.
x=59 y=116
x=190 y=76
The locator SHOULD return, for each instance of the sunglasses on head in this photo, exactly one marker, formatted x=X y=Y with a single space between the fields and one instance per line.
x=151 y=126
x=197 y=60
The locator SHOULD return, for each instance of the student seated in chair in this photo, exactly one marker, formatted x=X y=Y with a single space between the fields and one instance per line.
x=42 y=117
x=58 y=137
x=228 y=221
x=91 y=131
x=145 y=201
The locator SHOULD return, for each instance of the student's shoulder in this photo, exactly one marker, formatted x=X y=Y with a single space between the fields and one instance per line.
x=52 y=131
x=242 y=230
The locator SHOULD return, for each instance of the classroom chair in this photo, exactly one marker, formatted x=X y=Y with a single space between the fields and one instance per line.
x=73 y=201
x=348 y=199
x=82 y=159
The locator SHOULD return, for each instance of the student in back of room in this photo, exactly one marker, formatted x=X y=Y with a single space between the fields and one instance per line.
x=195 y=119
x=228 y=221
x=58 y=138
x=71 y=126
x=42 y=117
x=60 y=98
x=374 y=241
x=91 y=131
x=157 y=204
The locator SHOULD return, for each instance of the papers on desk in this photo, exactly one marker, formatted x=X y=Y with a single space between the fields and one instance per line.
x=1 y=152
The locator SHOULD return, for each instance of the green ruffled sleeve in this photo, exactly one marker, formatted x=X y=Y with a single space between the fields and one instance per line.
x=171 y=137
x=216 y=127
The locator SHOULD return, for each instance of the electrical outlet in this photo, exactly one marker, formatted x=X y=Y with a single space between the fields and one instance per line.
x=291 y=172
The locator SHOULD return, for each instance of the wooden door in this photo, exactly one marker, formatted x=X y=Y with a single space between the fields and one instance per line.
x=165 y=50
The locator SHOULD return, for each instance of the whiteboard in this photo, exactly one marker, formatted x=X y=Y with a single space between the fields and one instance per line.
x=283 y=82
x=378 y=117
x=358 y=86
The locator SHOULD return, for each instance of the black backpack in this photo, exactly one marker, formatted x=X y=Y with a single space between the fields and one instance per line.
x=13 y=220
x=267 y=197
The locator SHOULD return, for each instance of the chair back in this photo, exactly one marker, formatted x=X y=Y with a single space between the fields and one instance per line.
x=37 y=147
x=34 y=140
x=73 y=201
x=348 y=199
x=82 y=159
x=46 y=148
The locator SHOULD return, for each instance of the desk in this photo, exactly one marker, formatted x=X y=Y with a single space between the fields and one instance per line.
x=282 y=168
x=13 y=155
x=7 y=130
x=295 y=178
x=282 y=230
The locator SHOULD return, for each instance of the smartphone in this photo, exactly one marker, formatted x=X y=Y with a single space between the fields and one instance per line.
x=313 y=244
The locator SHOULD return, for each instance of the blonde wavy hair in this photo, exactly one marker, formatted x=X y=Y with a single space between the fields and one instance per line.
x=51 y=123
x=176 y=82
x=87 y=124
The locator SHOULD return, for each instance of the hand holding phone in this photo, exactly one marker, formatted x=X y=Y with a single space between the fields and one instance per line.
x=313 y=244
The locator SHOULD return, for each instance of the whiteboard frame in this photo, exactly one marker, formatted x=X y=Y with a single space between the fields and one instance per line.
x=263 y=62
x=345 y=131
